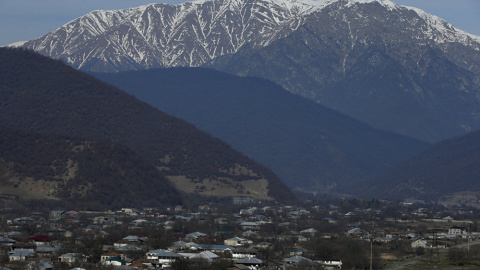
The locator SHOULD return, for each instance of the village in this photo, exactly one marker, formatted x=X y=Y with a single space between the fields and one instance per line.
x=239 y=234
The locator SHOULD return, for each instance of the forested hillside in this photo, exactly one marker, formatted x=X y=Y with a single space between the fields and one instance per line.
x=79 y=173
x=44 y=95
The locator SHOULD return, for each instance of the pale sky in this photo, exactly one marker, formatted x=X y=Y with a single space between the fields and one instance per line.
x=22 y=20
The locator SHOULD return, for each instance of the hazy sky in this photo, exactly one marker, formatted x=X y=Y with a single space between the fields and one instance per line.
x=28 y=19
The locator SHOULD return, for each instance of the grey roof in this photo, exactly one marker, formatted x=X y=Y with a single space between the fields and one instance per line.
x=249 y=260
x=6 y=240
x=213 y=247
x=162 y=253
x=299 y=260
x=128 y=248
x=22 y=253
x=47 y=249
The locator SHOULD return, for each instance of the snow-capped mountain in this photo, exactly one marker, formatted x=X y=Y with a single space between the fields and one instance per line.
x=192 y=33
x=162 y=35
x=394 y=67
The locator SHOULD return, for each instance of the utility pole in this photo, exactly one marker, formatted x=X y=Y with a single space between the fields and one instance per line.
x=468 y=238
x=371 y=253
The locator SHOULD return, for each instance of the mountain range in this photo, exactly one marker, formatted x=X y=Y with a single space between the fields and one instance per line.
x=393 y=67
x=310 y=147
x=447 y=172
x=41 y=95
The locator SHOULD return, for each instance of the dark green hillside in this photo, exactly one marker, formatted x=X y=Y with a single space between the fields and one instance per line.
x=80 y=173
x=43 y=95
x=308 y=145
x=446 y=169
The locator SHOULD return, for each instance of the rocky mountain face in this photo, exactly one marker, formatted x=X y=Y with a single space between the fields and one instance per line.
x=162 y=35
x=396 y=68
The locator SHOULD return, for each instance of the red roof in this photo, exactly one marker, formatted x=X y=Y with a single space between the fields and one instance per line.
x=40 y=238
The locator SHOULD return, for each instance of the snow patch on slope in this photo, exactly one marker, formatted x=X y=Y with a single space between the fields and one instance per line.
x=442 y=31
x=386 y=3
x=16 y=44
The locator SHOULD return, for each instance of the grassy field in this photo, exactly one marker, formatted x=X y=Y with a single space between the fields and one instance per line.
x=256 y=189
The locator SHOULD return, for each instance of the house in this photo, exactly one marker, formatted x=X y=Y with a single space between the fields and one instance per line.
x=420 y=243
x=249 y=234
x=40 y=240
x=71 y=258
x=241 y=200
x=329 y=220
x=21 y=245
x=246 y=212
x=250 y=262
x=251 y=226
x=108 y=255
x=331 y=263
x=236 y=242
x=213 y=248
x=6 y=242
x=240 y=253
x=299 y=260
x=162 y=256
x=202 y=256
x=130 y=211
x=181 y=245
x=411 y=236
x=104 y=220
x=138 y=222
x=20 y=255
x=128 y=248
x=195 y=235
x=114 y=261
x=144 y=264
x=38 y=265
x=121 y=243
x=46 y=251
x=457 y=231
x=133 y=239
x=309 y=232
x=298 y=251
x=56 y=213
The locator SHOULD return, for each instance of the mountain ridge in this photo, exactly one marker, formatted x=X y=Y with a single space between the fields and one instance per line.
x=445 y=172
x=312 y=49
x=309 y=146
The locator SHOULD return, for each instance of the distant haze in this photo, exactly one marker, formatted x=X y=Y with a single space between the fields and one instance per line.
x=22 y=20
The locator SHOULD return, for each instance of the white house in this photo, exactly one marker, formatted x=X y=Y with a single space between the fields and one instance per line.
x=20 y=255
x=455 y=230
x=162 y=256
x=331 y=264
x=240 y=253
x=71 y=258
x=202 y=256
x=236 y=242
x=420 y=243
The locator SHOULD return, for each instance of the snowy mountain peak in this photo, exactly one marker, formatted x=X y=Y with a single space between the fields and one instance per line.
x=193 y=33
x=386 y=3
